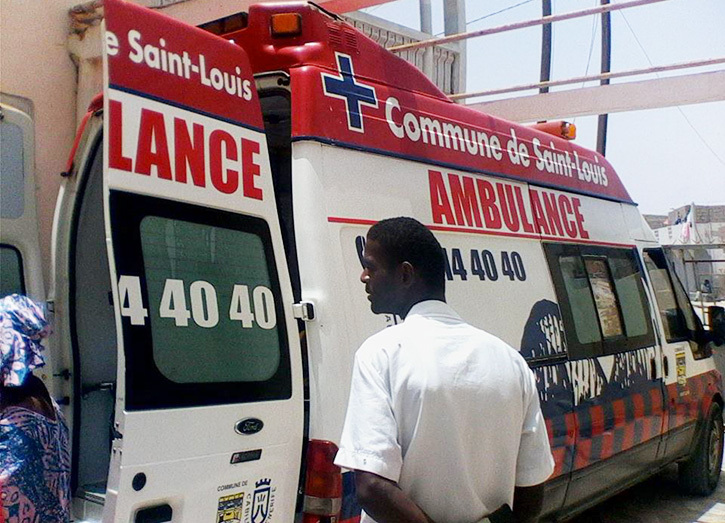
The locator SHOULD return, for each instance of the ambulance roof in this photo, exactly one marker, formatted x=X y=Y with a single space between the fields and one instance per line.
x=350 y=91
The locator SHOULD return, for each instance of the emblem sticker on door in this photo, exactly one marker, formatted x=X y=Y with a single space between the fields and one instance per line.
x=249 y=426
x=262 y=505
x=230 y=508
x=681 y=364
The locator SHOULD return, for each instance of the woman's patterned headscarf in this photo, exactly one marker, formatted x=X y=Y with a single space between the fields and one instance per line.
x=22 y=326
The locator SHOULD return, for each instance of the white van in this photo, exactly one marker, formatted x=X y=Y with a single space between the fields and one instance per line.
x=207 y=259
x=19 y=246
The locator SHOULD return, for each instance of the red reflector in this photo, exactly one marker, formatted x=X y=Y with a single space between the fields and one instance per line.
x=323 y=484
x=324 y=478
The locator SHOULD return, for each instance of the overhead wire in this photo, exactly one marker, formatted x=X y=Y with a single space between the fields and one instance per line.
x=591 y=42
x=498 y=12
x=489 y=15
x=692 y=126
x=591 y=49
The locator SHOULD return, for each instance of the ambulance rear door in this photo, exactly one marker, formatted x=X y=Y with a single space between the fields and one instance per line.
x=209 y=401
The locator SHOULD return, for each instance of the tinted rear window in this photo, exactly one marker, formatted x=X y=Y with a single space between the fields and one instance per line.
x=209 y=287
x=201 y=306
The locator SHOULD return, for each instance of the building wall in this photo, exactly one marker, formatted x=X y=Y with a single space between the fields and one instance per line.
x=703 y=213
x=35 y=65
x=704 y=233
x=702 y=256
x=696 y=265
x=655 y=221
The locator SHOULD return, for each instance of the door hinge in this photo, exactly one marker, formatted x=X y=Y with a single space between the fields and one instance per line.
x=65 y=374
x=115 y=432
x=304 y=310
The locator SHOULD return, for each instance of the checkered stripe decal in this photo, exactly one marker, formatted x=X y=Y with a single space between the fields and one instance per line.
x=598 y=431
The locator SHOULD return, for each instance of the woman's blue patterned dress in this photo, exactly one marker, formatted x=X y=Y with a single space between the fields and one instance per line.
x=34 y=467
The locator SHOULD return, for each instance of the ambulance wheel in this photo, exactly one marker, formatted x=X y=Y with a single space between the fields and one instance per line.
x=701 y=472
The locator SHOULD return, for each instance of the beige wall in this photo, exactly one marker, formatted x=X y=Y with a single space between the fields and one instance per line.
x=34 y=64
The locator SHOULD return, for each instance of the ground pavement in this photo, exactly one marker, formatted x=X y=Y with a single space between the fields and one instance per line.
x=658 y=500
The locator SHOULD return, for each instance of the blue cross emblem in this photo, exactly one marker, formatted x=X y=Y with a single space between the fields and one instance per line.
x=345 y=87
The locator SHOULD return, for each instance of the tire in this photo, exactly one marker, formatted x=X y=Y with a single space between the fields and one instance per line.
x=701 y=472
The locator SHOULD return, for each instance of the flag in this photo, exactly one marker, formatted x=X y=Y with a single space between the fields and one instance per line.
x=687 y=225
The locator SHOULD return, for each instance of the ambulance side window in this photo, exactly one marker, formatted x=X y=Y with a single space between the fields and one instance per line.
x=11 y=271
x=601 y=297
x=627 y=277
x=581 y=303
x=201 y=306
x=678 y=318
x=600 y=280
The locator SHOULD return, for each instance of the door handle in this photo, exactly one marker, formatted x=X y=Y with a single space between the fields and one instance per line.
x=155 y=514
x=96 y=387
x=666 y=365
x=653 y=366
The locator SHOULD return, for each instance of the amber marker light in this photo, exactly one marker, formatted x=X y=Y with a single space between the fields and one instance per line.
x=558 y=128
x=286 y=24
x=568 y=130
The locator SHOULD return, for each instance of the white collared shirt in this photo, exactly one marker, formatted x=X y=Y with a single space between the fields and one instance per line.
x=447 y=411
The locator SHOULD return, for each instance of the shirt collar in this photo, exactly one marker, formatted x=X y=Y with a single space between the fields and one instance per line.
x=432 y=308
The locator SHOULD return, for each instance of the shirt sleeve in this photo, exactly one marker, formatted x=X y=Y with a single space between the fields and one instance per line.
x=370 y=435
x=535 y=463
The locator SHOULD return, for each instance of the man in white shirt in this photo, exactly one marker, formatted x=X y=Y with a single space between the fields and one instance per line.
x=443 y=422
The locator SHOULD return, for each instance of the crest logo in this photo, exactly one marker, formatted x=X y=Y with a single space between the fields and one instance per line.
x=229 y=509
x=261 y=500
x=345 y=87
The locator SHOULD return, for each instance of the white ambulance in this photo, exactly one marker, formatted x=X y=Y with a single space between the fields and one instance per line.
x=206 y=287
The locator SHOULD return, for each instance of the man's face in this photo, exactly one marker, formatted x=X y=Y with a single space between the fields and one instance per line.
x=381 y=282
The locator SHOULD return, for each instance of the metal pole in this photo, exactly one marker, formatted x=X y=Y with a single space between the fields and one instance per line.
x=454 y=18
x=606 y=67
x=545 y=75
x=521 y=25
x=426 y=26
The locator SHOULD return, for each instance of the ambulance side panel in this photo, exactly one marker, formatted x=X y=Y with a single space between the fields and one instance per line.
x=613 y=354
x=339 y=193
x=526 y=261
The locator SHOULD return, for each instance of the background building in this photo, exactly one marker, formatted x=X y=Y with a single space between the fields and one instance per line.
x=694 y=235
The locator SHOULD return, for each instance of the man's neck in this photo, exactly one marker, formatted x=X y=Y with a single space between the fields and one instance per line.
x=438 y=296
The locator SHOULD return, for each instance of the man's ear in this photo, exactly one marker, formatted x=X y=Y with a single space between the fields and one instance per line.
x=407 y=273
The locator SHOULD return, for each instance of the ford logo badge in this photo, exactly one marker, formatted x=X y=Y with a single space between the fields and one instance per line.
x=249 y=426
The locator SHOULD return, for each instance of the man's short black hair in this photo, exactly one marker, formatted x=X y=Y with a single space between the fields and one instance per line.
x=406 y=239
